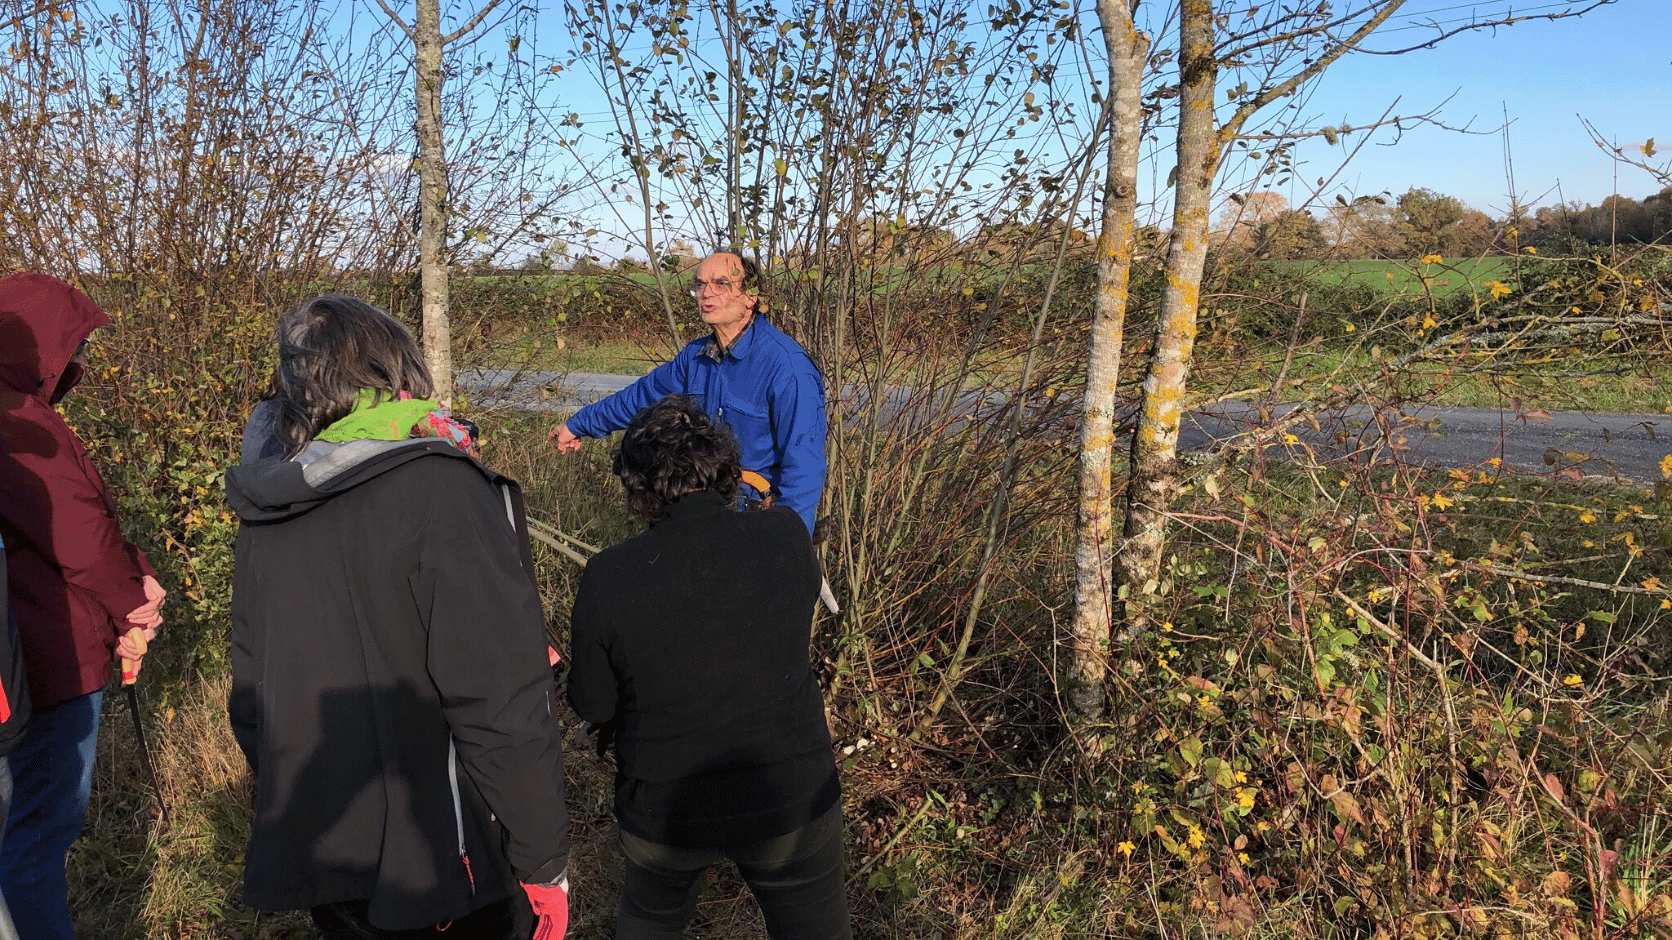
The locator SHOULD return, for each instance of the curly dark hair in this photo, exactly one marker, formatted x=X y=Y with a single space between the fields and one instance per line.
x=673 y=448
x=329 y=349
x=752 y=281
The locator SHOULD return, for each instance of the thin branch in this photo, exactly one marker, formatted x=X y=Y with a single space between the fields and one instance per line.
x=1248 y=108
x=464 y=30
x=1486 y=24
x=1661 y=173
x=396 y=19
x=1576 y=582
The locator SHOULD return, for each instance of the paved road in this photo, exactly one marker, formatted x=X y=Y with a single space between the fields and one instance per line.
x=1624 y=447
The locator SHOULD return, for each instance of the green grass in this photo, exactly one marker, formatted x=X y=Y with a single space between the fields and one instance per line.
x=572 y=281
x=1449 y=276
x=1640 y=392
x=1641 y=389
x=544 y=351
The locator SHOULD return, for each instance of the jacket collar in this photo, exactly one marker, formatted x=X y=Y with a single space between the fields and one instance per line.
x=739 y=348
x=695 y=505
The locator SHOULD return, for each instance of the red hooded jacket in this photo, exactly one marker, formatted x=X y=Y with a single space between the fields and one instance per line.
x=74 y=580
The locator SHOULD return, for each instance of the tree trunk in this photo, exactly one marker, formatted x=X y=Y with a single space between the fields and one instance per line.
x=1154 y=480
x=1087 y=660
x=432 y=200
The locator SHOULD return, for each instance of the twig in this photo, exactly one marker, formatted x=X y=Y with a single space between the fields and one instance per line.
x=559 y=541
x=895 y=839
x=1576 y=582
x=555 y=532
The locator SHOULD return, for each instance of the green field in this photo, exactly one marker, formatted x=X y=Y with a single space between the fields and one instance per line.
x=1449 y=276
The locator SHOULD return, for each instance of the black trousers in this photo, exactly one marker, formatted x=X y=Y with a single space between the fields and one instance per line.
x=798 y=879
x=508 y=919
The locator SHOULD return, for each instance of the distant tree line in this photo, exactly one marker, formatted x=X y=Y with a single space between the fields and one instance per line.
x=1423 y=222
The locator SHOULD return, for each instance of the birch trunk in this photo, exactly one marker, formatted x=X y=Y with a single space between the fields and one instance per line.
x=432 y=200
x=1154 y=480
x=1087 y=660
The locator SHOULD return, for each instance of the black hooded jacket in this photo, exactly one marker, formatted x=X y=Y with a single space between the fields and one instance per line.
x=390 y=684
x=14 y=680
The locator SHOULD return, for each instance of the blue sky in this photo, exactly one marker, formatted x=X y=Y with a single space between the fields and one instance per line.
x=1612 y=66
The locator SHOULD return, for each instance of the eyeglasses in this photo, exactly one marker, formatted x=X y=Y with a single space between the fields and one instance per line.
x=723 y=286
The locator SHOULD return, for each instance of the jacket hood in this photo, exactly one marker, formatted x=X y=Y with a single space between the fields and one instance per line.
x=42 y=321
x=274 y=489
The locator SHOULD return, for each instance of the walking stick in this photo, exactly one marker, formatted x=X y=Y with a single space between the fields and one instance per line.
x=129 y=678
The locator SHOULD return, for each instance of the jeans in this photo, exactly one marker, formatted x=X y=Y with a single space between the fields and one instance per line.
x=8 y=931
x=52 y=775
x=798 y=879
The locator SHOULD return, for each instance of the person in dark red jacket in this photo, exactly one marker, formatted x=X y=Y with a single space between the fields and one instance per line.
x=77 y=587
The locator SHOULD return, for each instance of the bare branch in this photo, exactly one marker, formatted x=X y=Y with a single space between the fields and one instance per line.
x=1576 y=582
x=1661 y=173
x=1267 y=96
x=474 y=21
x=1506 y=20
x=396 y=19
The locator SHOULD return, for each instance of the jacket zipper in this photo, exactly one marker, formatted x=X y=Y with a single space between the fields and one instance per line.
x=458 y=810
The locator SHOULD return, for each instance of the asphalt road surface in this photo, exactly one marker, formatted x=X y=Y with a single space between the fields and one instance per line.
x=1574 y=444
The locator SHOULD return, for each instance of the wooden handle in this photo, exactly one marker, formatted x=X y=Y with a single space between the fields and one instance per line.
x=129 y=670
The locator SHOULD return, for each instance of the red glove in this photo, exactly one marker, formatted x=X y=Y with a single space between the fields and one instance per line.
x=551 y=909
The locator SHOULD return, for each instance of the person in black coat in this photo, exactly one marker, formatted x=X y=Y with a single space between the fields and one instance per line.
x=14 y=711
x=391 y=689
x=690 y=646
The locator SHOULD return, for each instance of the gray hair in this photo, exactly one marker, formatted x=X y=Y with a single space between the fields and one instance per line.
x=329 y=349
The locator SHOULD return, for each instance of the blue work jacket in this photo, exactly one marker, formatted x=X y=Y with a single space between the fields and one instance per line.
x=765 y=387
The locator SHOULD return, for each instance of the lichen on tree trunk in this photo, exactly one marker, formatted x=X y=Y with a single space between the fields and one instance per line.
x=1086 y=663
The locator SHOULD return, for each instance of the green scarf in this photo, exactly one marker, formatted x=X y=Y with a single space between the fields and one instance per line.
x=387 y=420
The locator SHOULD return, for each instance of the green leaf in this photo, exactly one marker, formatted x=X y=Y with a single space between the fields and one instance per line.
x=1191 y=750
x=1220 y=772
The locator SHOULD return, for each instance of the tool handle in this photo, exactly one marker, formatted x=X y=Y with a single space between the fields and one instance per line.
x=130 y=671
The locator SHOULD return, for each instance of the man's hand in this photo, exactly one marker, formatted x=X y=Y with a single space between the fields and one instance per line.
x=566 y=440
x=551 y=909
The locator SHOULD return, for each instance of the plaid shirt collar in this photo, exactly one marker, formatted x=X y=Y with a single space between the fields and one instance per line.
x=713 y=351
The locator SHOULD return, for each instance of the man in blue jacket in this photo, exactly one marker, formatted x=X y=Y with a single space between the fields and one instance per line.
x=748 y=374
